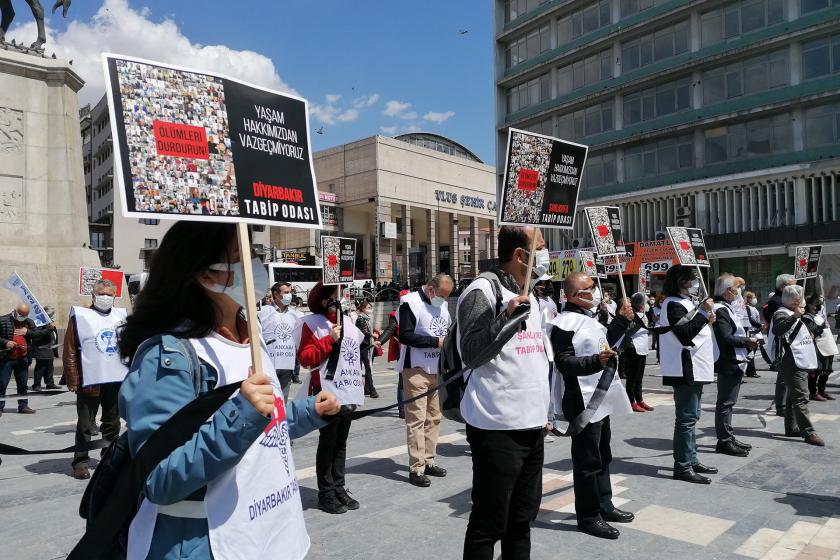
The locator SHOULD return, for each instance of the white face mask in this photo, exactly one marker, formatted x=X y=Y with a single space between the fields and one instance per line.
x=286 y=299
x=236 y=291
x=438 y=301
x=753 y=301
x=694 y=288
x=646 y=308
x=18 y=317
x=103 y=303
x=542 y=260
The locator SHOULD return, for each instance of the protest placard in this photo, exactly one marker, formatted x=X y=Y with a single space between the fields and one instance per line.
x=200 y=146
x=15 y=283
x=587 y=263
x=807 y=261
x=689 y=245
x=644 y=281
x=338 y=256
x=605 y=225
x=88 y=277
x=541 y=181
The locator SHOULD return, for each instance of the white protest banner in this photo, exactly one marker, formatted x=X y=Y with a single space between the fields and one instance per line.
x=194 y=145
x=338 y=256
x=587 y=263
x=542 y=180
x=16 y=284
x=807 y=261
x=88 y=277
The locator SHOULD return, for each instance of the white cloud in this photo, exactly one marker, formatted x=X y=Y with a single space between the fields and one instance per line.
x=349 y=115
x=332 y=98
x=438 y=118
x=389 y=130
x=332 y=111
x=395 y=108
x=118 y=28
x=365 y=101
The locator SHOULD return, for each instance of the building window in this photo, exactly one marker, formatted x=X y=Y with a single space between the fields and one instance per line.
x=528 y=94
x=586 y=122
x=600 y=170
x=583 y=21
x=528 y=46
x=518 y=8
x=822 y=125
x=750 y=76
x=759 y=137
x=808 y=6
x=821 y=57
x=656 y=102
x=654 y=47
x=738 y=19
x=585 y=72
x=541 y=127
x=97 y=239
x=149 y=221
x=632 y=7
x=151 y=243
x=659 y=158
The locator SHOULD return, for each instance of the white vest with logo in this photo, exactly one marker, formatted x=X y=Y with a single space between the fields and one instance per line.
x=641 y=337
x=589 y=338
x=511 y=391
x=702 y=353
x=429 y=321
x=253 y=510
x=97 y=333
x=281 y=332
x=348 y=384
x=740 y=353
x=802 y=347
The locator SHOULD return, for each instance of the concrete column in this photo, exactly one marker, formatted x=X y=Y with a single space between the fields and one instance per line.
x=798 y=117
x=385 y=249
x=405 y=259
x=474 y=246
x=454 y=256
x=697 y=92
x=795 y=62
x=800 y=201
x=694 y=38
x=432 y=262
x=494 y=240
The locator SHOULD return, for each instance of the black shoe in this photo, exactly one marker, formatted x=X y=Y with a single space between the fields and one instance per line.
x=374 y=394
x=296 y=380
x=52 y=387
x=778 y=413
x=728 y=447
x=36 y=388
x=599 y=529
x=742 y=445
x=703 y=469
x=329 y=503
x=691 y=476
x=753 y=375
x=795 y=433
x=401 y=414
x=343 y=496
x=420 y=480
x=434 y=470
x=618 y=516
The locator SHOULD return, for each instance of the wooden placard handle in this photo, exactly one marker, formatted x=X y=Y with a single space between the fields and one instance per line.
x=250 y=298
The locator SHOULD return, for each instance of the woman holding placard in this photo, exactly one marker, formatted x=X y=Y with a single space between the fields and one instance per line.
x=210 y=496
x=330 y=346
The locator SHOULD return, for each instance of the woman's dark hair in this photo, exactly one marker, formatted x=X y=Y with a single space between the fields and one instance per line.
x=676 y=275
x=172 y=298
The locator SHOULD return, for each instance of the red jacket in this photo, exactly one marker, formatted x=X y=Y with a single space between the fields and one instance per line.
x=312 y=352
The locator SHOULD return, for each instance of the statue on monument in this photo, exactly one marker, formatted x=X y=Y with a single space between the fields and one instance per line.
x=7 y=14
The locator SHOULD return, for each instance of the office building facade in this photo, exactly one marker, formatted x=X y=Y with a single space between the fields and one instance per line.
x=720 y=115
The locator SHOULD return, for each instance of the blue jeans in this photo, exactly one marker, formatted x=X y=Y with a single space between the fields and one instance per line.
x=687 y=410
x=20 y=369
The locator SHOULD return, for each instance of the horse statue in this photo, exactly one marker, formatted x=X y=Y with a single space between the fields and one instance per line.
x=7 y=14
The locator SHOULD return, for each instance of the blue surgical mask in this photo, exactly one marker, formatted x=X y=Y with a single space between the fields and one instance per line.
x=236 y=291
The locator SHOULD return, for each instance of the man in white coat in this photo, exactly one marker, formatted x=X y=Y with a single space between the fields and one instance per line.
x=592 y=391
x=280 y=324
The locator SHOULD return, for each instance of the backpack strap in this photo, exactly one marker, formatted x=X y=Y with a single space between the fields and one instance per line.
x=497 y=288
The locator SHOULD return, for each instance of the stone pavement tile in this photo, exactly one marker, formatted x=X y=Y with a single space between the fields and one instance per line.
x=557 y=504
x=758 y=544
x=680 y=525
x=554 y=484
x=813 y=552
x=829 y=535
x=793 y=541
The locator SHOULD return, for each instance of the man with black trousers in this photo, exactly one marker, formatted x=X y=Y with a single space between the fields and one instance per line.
x=505 y=402
x=732 y=346
x=769 y=309
x=592 y=392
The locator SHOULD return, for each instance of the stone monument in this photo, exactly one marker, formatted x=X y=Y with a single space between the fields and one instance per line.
x=43 y=212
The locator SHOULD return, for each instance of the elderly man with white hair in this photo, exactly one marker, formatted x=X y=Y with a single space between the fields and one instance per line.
x=770 y=308
x=731 y=346
x=790 y=339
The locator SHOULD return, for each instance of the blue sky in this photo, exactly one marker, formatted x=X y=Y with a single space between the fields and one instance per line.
x=406 y=59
